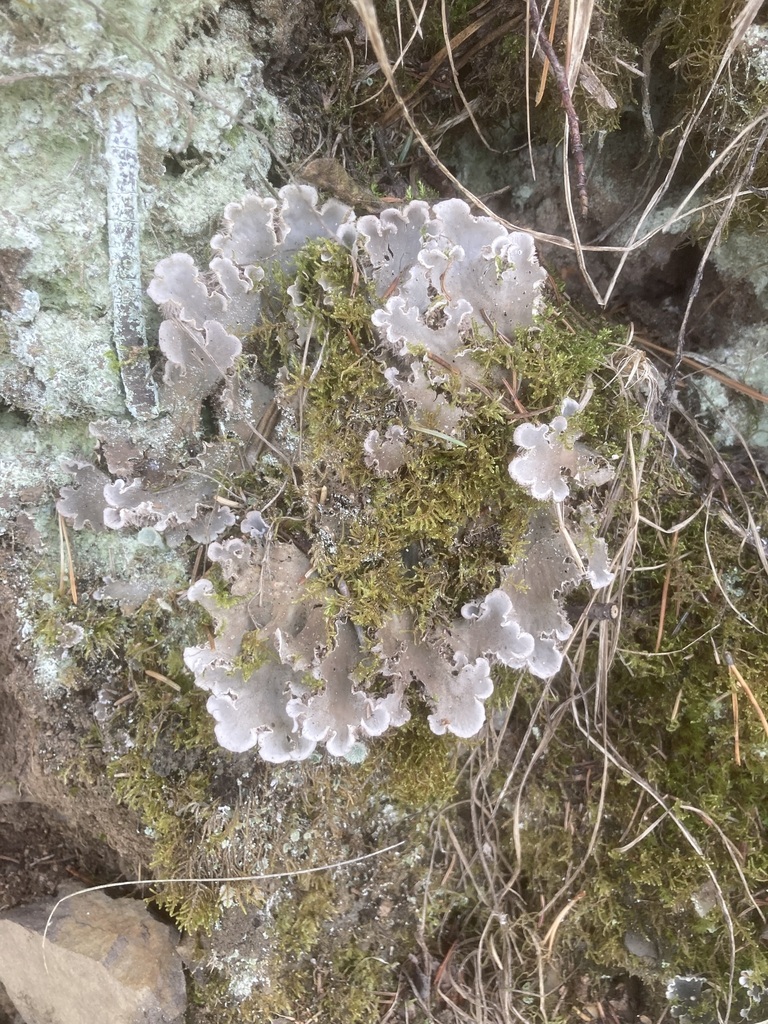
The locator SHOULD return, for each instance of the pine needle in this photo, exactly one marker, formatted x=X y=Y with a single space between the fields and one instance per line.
x=66 y=562
x=162 y=679
x=665 y=592
x=735 y=674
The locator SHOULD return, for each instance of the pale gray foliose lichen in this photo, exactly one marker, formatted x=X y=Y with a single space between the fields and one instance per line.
x=443 y=286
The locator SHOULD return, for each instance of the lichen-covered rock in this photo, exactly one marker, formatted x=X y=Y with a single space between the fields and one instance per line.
x=71 y=164
x=98 y=185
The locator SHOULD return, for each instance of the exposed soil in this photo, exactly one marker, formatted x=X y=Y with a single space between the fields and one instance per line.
x=52 y=827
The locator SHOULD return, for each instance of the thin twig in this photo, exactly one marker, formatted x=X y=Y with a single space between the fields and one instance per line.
x=545 y=69
x=736 y=743
x=700 y=367
x=735 y=674
x=332 y=866
x=549 y=938
x=574 y=128
x=70 y=565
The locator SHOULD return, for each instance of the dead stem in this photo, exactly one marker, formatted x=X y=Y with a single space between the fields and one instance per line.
x=574 y=128
x=665 y=591
x=67 y=563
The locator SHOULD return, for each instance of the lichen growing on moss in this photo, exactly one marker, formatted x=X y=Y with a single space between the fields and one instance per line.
x=400 y=326
x=424 y=541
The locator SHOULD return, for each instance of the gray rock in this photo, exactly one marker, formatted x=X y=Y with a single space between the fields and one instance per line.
x=641 y=946
x=104 y=961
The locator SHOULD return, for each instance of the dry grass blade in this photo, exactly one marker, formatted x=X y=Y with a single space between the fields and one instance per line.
x=712 y=242
x=618 y=761
x=573 y=128
x=741 y=24
x=66 y=562
x=413 y=98
x=503 y=953
x=665 y=591
x=551 y=935
x=545 y=68
x=415 y=32
x=161 y=678
x=716 y=575
x=296 y=873
x=456 y=83
x=749 y=534
x=579 y=23
x=735 y=674
x=638 y=240
x=643 y=835
x=367 y=13
x=701 y=367
x=736 y=856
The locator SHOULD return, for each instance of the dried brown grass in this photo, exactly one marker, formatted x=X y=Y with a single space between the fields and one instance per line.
x=696 y=202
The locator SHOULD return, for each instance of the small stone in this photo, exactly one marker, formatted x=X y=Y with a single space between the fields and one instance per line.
x=105 y=961
x=641 y=946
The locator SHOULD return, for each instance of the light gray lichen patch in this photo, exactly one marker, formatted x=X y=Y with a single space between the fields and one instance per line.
x=735 y=418
x=61 y=160
x=71 y=367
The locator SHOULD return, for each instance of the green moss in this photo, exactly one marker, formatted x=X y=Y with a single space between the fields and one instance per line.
x=171 y=800
x=166 y=773
x=356 y=986
x=150 y=637
x=221 y=588
x=417 y=768
x=255 y=651
x=320 y=941
x=299 y=920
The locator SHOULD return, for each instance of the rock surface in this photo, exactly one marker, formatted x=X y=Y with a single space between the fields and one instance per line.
x=104 y=960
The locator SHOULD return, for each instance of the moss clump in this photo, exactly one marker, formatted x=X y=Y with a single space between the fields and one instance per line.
x=432 y=536
x=254 y=652
x=326 y=943
x=166 y=778
x=161 y=750
x=101 y=641
x=299 y=920
x=357 y=987
x=416 y=767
